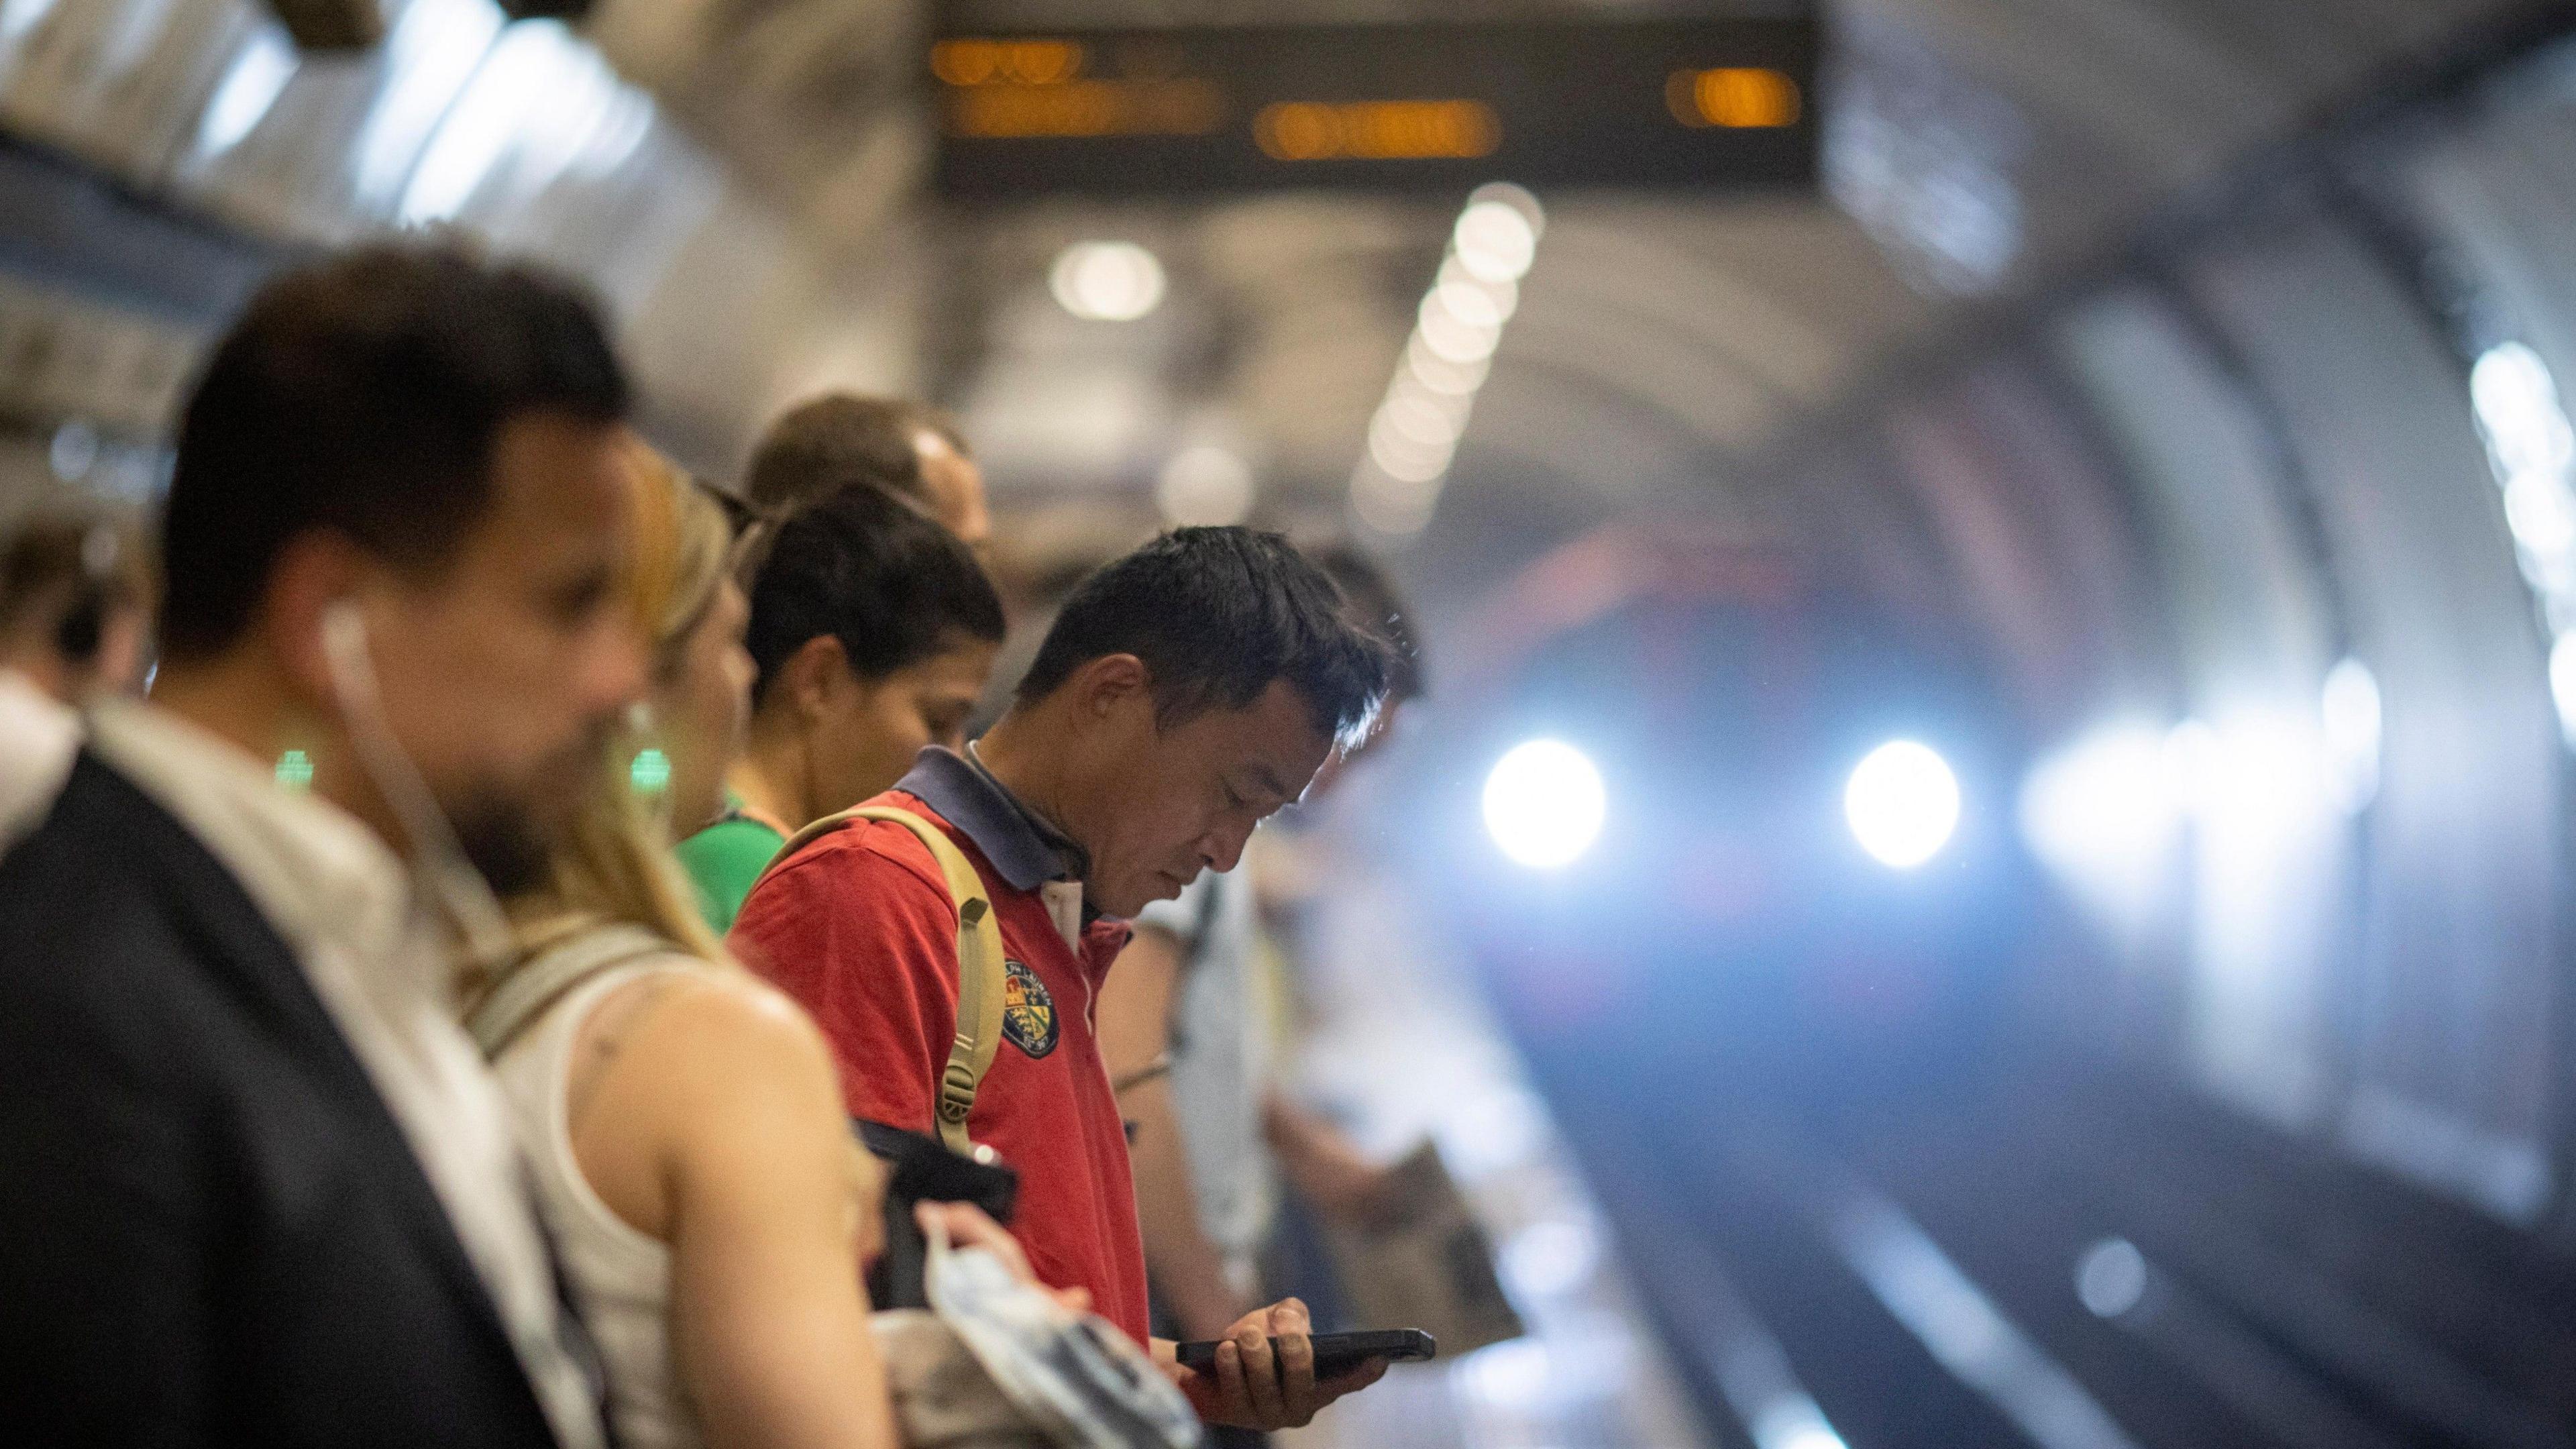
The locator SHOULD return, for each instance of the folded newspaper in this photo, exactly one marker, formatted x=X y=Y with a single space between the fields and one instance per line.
x=1075 y=1375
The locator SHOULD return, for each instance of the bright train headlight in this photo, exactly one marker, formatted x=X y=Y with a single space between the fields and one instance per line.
x=1903 y=804
x=1544 y=804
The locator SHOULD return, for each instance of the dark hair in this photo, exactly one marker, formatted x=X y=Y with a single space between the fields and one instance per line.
x=1370 y=600
x=63 y=572
x=828 y=443
x=365 y=394
x=869 y=570
x=1218 y=615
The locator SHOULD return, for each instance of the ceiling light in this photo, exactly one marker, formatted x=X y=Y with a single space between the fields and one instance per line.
x=1469 y=303
x=1441 y=375
x=1392 y=506
x=1107 y=281
x=1495 y=241
x=1205 y=486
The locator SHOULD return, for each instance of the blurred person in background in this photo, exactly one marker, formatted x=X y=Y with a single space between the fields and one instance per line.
x=75 y=603
x=682 y=1120
x=1184 y=693
x=909 y=449
x=682 y=576
x=1326 y=1172
x=872 y=633
x=1188 y=1042
x=75 y=595
x=261 y=1188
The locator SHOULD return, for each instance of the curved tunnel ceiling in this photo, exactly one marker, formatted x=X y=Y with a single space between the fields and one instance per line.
x=1974 y=147
x=1664 y=350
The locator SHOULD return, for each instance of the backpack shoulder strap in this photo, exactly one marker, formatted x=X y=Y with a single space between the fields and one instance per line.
x=981 y=975
x=544 y=979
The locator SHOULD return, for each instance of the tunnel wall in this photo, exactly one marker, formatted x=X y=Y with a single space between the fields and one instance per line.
x=2268 y=532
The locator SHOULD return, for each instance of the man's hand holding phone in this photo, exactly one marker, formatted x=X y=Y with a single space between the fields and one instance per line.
x=1253 y=1385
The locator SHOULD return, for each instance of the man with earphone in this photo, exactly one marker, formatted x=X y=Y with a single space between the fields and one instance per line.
x=256 y=1186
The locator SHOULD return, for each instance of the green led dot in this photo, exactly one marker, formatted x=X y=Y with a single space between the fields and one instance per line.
x=651 y=773
x=295 y=770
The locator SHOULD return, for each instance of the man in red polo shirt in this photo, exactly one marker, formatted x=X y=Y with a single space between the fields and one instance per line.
x=1184 y=693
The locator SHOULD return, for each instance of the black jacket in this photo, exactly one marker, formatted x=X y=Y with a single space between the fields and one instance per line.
x=212 y=1231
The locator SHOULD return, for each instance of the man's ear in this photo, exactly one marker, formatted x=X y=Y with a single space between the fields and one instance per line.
x=313 y=572
x=815 y=675
x=1104 y=685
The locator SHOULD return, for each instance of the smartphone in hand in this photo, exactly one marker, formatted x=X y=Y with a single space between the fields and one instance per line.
x=1335 y=1353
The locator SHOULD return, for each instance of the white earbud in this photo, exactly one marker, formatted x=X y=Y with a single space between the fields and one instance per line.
x=438 y=858
x=344 y=636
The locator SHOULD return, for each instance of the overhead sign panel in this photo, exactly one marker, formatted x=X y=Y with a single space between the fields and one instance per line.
x=1655 y=105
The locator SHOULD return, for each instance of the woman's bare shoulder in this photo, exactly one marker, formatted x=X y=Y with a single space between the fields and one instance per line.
x=705 y=1076
x=719 y=1025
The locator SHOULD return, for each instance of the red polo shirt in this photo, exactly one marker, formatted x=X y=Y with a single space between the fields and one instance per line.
x=859 y=927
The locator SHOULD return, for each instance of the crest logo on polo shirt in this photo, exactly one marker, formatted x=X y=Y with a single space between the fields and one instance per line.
x=1028 y=1012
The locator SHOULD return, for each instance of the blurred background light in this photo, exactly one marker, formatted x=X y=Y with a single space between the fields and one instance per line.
x=73 y=450
x=1205 y=486
x=2562 y=684
x=1550 y=1257
x=2255 y=776
x=1417 y=417
x=1402 y=456
x=1495 y=239
x=1544 y=804
x=2191 y=766
x=17 y=17
x=1470 y=303
x=2111 y=1277
x=1453 y=338
x=2541 y=514
x=2531 y=446
x=2517 y=407
x=541 y=104
x=1392 y=506
x=2100 y=815
x=1413 y=438
x=433 y=52
x=1443 y=375
x=2350 y=709
x=250 y=85
x=1903 y=803
x=1107 y=281
x=1503 y=293
x=1794 y=1423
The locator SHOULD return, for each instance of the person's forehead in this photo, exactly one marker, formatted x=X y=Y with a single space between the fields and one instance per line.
x=1276 y=733
x=554 y=477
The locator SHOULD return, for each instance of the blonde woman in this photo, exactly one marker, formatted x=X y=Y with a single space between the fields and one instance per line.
x=683 y=1122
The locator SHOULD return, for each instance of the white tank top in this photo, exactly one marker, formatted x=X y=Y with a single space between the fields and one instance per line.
x=620 y=1277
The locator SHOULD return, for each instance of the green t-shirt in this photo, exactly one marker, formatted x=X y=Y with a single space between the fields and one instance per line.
x=724 y=861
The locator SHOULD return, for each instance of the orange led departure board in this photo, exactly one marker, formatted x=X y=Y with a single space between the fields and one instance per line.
x=1661 y=105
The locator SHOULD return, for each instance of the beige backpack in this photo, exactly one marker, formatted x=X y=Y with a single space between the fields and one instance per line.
x=980 y=972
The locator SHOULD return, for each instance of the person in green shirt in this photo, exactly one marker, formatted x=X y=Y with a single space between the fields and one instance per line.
x=872 y=632
x=726 y=858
